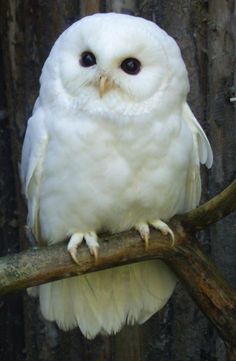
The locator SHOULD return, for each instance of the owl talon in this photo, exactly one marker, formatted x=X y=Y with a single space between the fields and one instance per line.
x=91 y=240
x=164 y=229
x=144 y=232
x=76 y=240
x=94 y=252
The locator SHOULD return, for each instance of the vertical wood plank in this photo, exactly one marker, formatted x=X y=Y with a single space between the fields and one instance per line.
x=222 y=129
x=11 y=306
x=89 y=7
x=122 y=6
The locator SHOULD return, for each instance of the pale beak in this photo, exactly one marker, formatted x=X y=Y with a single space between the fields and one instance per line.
x=103 y=85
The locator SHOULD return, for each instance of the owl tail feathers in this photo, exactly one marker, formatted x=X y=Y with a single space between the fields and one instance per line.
x=103 y=302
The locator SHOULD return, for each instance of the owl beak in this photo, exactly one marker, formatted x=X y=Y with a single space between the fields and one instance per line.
x=103 y=85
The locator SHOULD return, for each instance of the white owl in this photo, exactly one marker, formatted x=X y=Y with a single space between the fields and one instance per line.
x=111 y=145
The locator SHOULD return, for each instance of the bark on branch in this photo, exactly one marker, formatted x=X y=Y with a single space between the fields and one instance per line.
x=200 y=276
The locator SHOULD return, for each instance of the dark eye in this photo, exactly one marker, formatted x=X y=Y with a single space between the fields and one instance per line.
x=131 y=66
x=87 y=59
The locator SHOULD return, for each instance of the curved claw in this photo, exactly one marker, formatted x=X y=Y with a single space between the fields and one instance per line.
x=75 y=240
x=91 y=241
x=144 y=231
x=165 y=229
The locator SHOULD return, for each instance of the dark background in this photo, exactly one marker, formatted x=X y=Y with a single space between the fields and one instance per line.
x=206 y=33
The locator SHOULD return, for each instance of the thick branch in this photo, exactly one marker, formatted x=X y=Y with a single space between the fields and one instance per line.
x=33 y=267
x=207 y=287
x=186 y=258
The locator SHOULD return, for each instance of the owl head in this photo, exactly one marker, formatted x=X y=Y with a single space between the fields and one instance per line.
x=115 y=64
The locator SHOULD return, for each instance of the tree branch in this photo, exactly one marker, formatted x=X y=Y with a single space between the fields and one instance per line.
x=201 y=278
x=213 y=210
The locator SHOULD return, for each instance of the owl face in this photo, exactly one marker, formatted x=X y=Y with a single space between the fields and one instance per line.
x=116 y=63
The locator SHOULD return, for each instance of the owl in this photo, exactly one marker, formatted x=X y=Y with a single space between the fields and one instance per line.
x=111 y=145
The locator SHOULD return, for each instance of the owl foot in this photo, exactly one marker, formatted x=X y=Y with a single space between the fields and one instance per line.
x=144 y=231
x=91 y=241
x=165 y=229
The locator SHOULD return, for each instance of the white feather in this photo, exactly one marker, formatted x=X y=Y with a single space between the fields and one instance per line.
x=33 y=154
x=203 y=148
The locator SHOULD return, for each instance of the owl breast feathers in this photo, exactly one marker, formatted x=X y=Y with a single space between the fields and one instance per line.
x=112 y=144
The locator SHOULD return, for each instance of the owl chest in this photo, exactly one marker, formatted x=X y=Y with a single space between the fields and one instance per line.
x=104 y=160
x=90 y=172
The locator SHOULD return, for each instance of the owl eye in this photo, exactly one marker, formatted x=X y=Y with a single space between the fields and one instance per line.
x=87 y=59
x=131 y=66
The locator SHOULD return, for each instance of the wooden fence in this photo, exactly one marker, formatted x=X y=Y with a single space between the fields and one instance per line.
x=206 y=33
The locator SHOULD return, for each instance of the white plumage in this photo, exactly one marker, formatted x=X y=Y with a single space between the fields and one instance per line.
x=110 y=146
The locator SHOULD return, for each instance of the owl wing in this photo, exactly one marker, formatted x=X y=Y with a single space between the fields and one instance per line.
x=33 y=154
x=202 y=153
